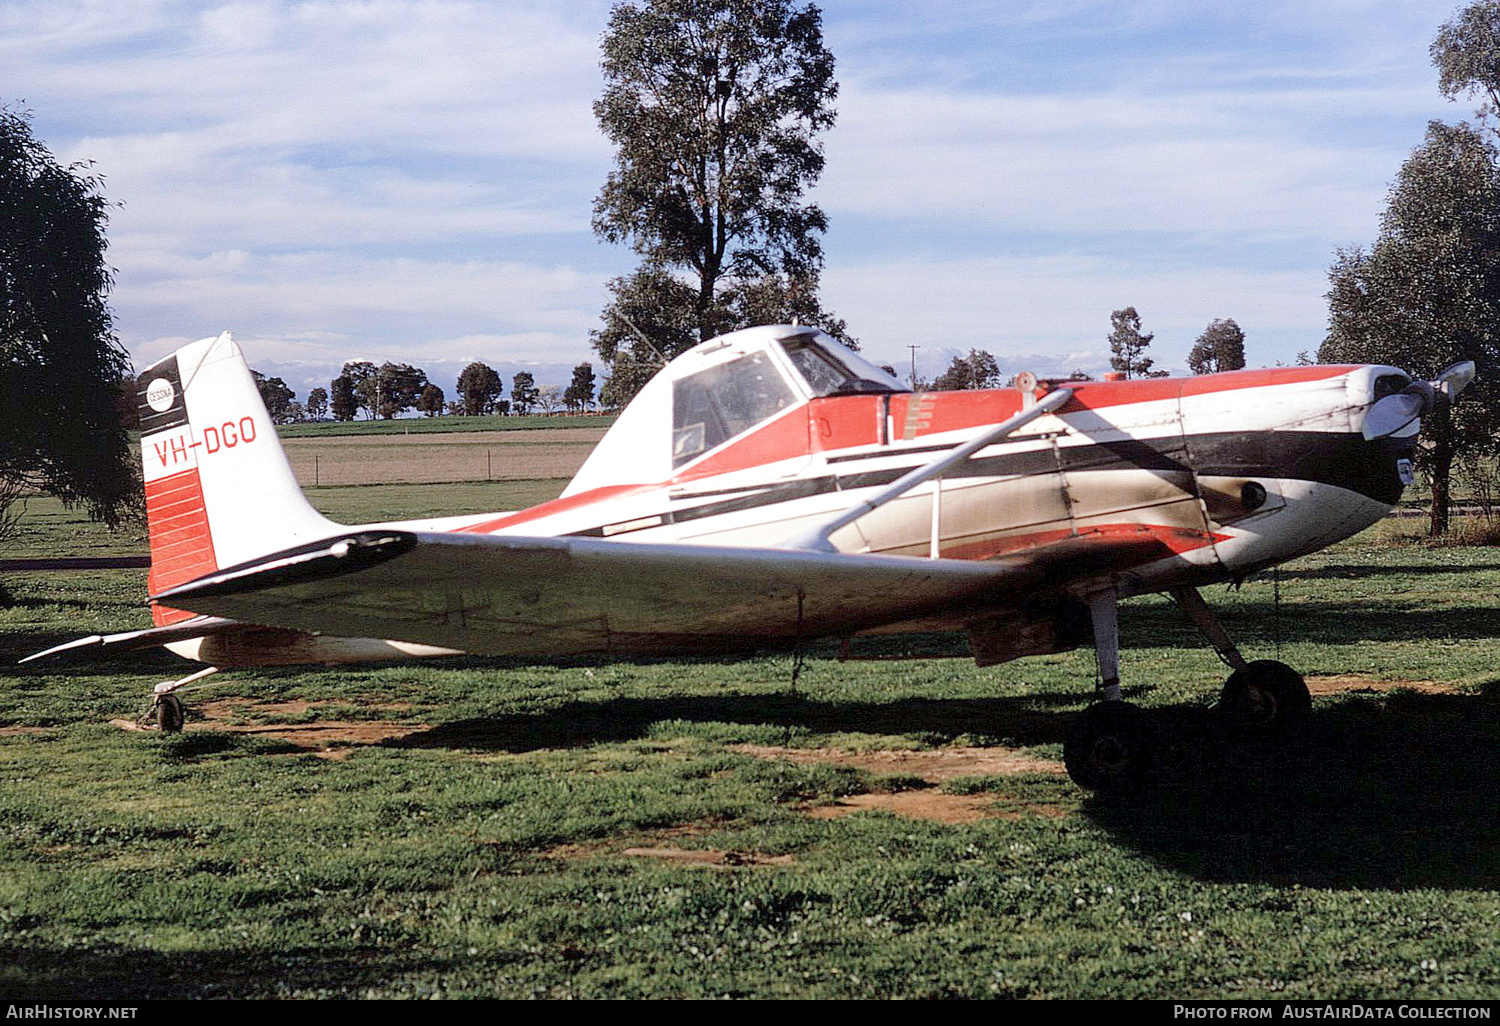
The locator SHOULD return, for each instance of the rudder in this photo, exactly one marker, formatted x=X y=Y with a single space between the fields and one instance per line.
x=219 y=489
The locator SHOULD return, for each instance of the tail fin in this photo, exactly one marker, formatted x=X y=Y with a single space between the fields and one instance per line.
x=219 y=490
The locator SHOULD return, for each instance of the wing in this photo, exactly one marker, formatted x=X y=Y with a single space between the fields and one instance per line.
x=506 y=595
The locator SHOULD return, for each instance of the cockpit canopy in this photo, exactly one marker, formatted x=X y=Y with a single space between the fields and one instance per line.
x=719 y=390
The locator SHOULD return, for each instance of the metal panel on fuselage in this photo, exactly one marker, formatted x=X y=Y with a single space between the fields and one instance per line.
x=1089 y=469
x=1129 y=464
x=1004 y=495
x=1115 y=469
x=1125 y=456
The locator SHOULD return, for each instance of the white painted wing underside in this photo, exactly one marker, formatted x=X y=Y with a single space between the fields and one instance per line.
x=507 y=595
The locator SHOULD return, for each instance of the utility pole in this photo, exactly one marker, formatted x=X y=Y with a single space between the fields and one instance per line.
x=914 y=366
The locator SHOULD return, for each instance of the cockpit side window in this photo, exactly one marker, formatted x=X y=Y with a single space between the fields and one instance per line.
x=824 y=373
x=716 y=404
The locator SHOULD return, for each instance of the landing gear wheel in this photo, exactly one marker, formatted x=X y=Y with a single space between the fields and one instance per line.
x=1264 y=698
x=169 y=713
x=1108 y=747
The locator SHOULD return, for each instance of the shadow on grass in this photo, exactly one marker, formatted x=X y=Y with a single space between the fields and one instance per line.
x=1024 y=719
x=1326 y=623
x=1390 y=791
x=113 y=972
x=1395 y=792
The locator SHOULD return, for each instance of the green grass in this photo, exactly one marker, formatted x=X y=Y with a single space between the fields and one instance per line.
x=364 y=504
x=46 y=528
x=484 y=854
x=49 y=529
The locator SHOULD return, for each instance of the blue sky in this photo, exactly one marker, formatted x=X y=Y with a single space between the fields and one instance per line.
x=414 y=180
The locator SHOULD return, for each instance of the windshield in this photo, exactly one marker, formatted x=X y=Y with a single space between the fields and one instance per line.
x=825 y=373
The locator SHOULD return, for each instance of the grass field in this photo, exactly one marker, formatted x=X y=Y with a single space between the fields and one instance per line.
x=477 y=827
x=554 y=453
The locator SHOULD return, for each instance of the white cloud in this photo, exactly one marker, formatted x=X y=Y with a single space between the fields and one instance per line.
x=1113 y=161
x=370 y=302
x=419 y=174
x=271 y=156
x=380 y=78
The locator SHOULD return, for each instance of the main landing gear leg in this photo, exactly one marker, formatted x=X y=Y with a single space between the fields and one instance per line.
x=1108 y=747
x=1259 y=698
x=1102 y=610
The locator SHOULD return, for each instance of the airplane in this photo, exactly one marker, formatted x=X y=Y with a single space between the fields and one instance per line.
x=771 y=487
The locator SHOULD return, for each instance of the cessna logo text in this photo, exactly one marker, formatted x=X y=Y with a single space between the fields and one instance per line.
x=159 y=395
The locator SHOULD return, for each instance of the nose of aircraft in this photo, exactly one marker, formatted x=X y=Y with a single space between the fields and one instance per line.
x=1400 y=415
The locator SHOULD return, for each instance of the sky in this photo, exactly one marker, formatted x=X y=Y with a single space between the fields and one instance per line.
x=414 y=179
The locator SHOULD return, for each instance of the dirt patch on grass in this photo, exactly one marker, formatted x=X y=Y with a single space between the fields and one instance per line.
x=943 y=808
x=327 y=739
x=18 y=731
x=1343 y=684
x=929 y=804
x=709 y=857
x=932 y=767
x=653 y=845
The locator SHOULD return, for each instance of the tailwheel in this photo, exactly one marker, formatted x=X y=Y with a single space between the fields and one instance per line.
x=166 y=707
x=1264 y=698
x=169 y=713
x=1108 y=747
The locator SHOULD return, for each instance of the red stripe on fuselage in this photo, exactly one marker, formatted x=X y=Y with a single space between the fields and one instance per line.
x=784 y=438
x=1094 y=395
x=848 y=422
x=955 y=411
x=843 y=422
x=1173 y=540
x=556 y=506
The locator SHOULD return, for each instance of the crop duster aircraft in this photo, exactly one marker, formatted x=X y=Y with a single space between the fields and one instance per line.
x=771 y=486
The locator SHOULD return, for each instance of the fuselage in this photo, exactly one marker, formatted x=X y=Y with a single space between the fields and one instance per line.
x=756 y=438
x=1232 y=472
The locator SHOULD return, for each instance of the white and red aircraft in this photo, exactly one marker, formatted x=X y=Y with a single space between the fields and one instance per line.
x=770 y=487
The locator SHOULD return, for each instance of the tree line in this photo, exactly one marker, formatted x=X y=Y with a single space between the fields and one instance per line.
x=387 y=391
x=1221 y=347
x=364 y=390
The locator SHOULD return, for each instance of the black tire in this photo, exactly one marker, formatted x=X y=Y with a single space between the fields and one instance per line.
x=169 y=713
x=1108 y=748
x=1264 y=698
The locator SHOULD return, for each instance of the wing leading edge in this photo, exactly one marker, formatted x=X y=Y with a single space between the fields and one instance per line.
x=509 y=595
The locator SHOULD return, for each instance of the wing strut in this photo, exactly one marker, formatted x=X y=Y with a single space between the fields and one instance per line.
x=816 y=539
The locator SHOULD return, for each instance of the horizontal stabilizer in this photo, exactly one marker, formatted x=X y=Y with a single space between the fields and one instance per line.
x=130 y=641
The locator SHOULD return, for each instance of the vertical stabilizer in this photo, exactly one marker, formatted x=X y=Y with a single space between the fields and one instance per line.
x=219 y=490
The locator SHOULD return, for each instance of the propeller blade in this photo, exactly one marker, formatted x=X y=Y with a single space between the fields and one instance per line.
x=1455 y=379
x=1399 y=414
